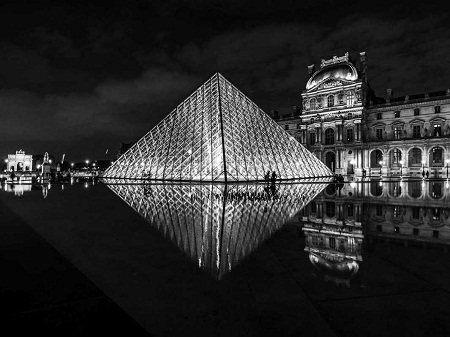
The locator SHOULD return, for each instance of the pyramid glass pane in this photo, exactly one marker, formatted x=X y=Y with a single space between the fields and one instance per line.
x=217 y=225
x=217 y=134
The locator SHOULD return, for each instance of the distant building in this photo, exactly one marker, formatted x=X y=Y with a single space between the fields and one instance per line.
x=20 y=162
x=352 y=131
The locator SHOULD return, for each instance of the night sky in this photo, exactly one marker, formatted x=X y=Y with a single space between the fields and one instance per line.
x=80 y=78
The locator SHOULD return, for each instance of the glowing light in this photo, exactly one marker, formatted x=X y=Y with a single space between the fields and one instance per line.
x=380 y=162
x=205 y=151
x=401 y=162
x=423 y=162
x=72 y=164
x=353 y=184
x=38 y=166
x=381 y=183
x=50 y=161
x=87 y=161
x=6 y=160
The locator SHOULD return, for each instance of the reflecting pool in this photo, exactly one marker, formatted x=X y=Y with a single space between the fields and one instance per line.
x=360 y=258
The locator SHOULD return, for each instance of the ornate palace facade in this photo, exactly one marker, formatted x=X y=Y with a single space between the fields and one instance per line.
x=351 y=130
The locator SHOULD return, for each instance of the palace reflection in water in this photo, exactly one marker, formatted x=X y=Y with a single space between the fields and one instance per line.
x=342 y=217
x=217 y=226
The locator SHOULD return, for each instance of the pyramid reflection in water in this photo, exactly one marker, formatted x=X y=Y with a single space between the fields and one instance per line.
x=217 y=226
x=217 y=134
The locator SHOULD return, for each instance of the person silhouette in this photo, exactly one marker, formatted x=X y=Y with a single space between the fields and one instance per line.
x=427 y=174
x=267 y=177
x=274 y=177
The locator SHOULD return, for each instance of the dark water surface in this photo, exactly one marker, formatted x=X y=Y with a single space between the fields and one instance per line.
x=365 y=259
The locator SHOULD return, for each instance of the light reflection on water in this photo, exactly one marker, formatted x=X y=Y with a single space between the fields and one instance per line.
x=217 y=226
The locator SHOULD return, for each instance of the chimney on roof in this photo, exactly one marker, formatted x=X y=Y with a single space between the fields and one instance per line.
x=311 y=69
x=363 y=64
x=390 y=95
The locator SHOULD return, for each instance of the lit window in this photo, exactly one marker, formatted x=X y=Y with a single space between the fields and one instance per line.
x=397 y=114
x=396 y=156
x=350 y=98
x=397 y=132
x=349 y=135
x=437 y=132
x=396 y=229
x=330 y=100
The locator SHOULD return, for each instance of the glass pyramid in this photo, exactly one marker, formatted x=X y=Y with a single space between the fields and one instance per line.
x=217 y=134
x=217 y=225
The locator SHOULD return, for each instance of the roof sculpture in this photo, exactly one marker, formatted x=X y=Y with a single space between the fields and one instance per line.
x=217 y=135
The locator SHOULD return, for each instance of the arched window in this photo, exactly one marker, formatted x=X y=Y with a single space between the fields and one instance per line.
x=330 y=101
x=396 y=157
x=376 y=159
x=415 y=157
x=329 y=136
x=350 y=98
x=312 y=104
x=437 y=156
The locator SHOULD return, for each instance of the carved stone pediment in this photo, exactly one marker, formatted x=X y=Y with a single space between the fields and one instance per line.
x=329 y=83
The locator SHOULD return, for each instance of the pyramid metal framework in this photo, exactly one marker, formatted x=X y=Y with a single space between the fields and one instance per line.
x=217 y=225
x=217 y=134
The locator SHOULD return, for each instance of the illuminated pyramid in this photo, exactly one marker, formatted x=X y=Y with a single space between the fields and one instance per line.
x=217 y=134
x=217 y=225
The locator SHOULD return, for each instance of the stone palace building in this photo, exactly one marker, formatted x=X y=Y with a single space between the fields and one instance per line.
x=353 y=132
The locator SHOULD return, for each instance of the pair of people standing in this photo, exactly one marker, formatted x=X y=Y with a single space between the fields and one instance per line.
x=270 y=178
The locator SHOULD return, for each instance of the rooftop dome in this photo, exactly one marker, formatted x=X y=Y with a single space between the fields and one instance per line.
x=343 y=71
